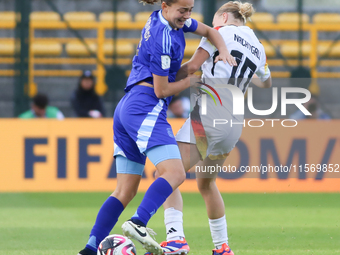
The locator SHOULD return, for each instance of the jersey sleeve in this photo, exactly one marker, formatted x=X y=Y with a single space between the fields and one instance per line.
x=263 y=72
x=160 y=54
x=206 y=45
x=190 y=25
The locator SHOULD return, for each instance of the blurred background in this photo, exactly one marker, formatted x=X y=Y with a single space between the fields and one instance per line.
x=45 y=45
x=71 y=58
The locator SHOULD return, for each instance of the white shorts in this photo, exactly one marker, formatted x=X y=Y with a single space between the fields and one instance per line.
x=221 y=139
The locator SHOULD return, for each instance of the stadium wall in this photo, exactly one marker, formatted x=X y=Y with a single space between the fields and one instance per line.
x=76 y=155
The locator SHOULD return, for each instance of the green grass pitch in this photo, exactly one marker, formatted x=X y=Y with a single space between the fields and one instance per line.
x=258 y=224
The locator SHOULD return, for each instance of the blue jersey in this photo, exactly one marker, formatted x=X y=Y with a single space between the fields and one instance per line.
x=160 y=50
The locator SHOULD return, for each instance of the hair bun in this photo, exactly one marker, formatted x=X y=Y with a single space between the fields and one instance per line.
x=246 y=10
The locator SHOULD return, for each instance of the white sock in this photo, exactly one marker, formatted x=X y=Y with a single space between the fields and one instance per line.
x=173 y=220
x=218 y=229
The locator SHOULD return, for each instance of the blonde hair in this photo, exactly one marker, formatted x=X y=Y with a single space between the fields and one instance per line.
x=241 y=11
x=168 y=2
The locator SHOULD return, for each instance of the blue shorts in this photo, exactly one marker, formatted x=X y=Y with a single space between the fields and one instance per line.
x=140 y=124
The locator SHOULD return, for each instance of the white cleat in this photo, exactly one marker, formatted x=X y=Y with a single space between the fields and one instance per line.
x=143 y=235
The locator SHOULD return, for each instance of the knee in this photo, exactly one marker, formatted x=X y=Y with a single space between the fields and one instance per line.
x=179 y=176
x=172 y=171
x=182 y=176
x=205 y=185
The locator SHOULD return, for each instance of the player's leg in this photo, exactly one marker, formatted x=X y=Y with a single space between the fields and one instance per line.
x=128 y=179
x=190 y=156
x=129 y=166
x=168 y=162
x=171 y=175
x=154 y=138
x=173 y=219
x=173 y=206
x=206 y=183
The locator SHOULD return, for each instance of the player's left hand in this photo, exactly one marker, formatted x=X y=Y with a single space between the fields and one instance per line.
x=226 y=57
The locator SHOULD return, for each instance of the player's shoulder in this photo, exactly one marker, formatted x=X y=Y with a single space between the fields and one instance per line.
x=157 y=25
x=227 y=28
x=227 y=31
x=252 y=36
x=240 y=30
x=157 y=33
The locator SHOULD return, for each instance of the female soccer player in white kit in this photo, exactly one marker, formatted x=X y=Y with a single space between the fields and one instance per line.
x=249 y=53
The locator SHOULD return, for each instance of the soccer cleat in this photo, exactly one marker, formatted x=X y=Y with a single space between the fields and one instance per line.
x=225 y=250
x=87 y=251
x=176 y=247
x=143 y=235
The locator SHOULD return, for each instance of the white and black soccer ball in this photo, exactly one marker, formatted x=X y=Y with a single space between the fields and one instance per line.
x=116 y=245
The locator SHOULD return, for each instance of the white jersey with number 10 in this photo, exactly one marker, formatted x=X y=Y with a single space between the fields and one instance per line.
x=249 y=53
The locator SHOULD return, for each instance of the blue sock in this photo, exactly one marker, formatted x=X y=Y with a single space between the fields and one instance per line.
x=106 y=219
x=154 y=197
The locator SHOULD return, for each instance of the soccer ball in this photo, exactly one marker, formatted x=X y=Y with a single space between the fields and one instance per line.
x=116 y=245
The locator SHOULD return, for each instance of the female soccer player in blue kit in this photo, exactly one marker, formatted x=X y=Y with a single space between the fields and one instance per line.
x=140 y=126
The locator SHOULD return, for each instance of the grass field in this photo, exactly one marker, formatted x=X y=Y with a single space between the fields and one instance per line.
x=258 y=224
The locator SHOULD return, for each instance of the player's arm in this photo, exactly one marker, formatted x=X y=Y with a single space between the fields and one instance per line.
x=216 y=39
x=194 y=64
x=163 y=88
x=262 y=84
x=262 y=78
x=160 y=63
